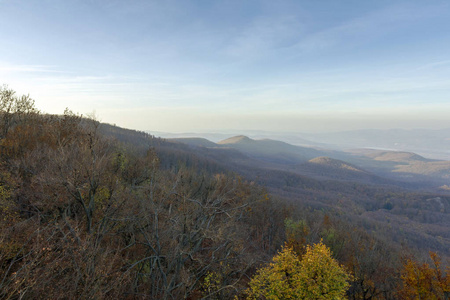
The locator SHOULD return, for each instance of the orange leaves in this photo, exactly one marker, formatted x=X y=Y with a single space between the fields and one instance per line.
x=422 y=281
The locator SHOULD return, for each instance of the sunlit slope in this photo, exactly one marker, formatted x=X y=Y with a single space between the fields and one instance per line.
x=194 y=141
x=271 y=150
x=329 y=168
x=406 y=164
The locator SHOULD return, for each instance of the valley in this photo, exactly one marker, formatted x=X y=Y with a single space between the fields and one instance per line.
x=389 y=193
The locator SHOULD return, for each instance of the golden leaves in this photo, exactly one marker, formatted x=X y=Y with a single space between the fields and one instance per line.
x=315 y=276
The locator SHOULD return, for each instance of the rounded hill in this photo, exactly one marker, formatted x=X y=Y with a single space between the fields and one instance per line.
x=240 y=139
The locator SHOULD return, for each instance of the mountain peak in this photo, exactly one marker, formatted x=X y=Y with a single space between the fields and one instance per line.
x=400 y=156
x=239 y=139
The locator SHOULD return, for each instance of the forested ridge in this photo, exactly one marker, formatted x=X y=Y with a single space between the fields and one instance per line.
x=93 y=211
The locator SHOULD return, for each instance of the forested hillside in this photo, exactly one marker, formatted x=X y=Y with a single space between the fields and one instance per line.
x=93 y=211
x=408 y=209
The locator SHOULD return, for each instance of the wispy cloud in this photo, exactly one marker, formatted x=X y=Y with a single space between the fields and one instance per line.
x=368 y=26
x=265 y=34
x=28 y=68
x=434 y=65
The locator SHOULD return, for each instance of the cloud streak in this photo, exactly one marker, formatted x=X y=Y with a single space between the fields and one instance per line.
x=8 y=68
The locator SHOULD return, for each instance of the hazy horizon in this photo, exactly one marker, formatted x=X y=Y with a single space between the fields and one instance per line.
x=257 y=131
x=285 y=66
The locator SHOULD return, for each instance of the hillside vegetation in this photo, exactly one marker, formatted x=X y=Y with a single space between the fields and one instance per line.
x=94 y=211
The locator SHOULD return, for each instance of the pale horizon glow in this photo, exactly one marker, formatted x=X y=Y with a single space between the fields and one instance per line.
x=187 y=66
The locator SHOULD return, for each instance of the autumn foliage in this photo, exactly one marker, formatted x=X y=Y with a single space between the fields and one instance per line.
x=316 y=275
x=91 y=211
x=85 y=216
x=424 y=281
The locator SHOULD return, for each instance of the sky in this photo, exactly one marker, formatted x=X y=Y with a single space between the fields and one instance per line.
x=178 y=66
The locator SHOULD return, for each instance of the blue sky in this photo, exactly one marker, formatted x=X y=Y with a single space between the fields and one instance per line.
x=228 y=65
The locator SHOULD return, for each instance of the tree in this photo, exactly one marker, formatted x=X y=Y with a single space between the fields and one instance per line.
x=13 y=109
x=296 y=234
x=422 y=281
x=315 y=276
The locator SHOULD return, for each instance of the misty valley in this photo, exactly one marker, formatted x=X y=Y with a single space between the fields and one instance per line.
x=90 y=210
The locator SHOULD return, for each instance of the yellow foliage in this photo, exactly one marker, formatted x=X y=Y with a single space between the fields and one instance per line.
x=211 y=283
x=321 y=276
x=102 y=195
x=316 y=276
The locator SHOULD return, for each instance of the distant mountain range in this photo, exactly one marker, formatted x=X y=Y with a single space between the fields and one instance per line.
x=361 y=165
x=426 y=142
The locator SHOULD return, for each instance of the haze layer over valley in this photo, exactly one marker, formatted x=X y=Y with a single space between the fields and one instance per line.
x=190 y=149
x=431 y=143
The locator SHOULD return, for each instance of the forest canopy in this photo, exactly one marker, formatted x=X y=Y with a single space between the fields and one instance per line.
x=91 y=211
